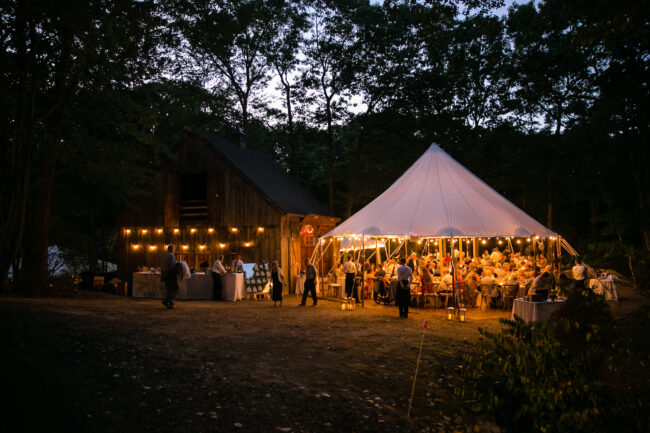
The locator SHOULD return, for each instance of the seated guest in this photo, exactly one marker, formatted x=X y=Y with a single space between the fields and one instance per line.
x=446 y=281
x=488 y=277
x=496 y=256
x=541 y=260
x=499 y=271
x=512 y=278
x=447 y=259
x=541 y=285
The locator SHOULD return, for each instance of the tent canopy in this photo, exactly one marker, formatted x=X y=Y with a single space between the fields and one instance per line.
x=438 y=197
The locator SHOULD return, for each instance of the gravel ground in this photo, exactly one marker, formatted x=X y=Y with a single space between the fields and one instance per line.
x=106 y=363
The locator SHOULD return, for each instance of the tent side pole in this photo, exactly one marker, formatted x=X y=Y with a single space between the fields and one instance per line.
x=363 y=271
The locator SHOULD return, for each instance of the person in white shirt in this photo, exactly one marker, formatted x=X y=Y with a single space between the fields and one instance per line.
x=499 y=271
x=350 y=270
x=404 y=278
x=496 y=256
x=579 y=272
x=238 y=265
x=217 y=271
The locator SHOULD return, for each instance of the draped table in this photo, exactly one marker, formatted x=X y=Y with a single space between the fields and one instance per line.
x=198 y=286
x=300 y=285
x=534 y=311
x=605 y=286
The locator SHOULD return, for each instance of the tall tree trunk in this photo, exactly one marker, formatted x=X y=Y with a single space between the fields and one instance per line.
x=291 y=139
x=330 y=156
x=35 y=257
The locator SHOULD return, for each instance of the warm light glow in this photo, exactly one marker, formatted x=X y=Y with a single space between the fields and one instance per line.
x=436 y=243
x=201 y=247
x=536 y=237
x=234 y=229
x=420 y=242
x=185 y=247
x=248 y=244
x=450 y=313
x=260 y=229
x=145 y=231
x=500 y=241
x=152 y=247
x=461 y=317
x=307 y=229
x=484 y=242
x=136 y=246
x=518 y=241
x=210 y=230
x=192 y=230
x=127 y=231
x=528 y=240
x=467 y=241
x=177 y=231
x=222 y=245
x=159 y=231
x=552 y=238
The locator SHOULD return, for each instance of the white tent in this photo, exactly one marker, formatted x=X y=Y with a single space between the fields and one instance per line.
x=438 y=197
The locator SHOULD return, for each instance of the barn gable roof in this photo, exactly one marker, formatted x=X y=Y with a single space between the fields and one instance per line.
x=265 y=174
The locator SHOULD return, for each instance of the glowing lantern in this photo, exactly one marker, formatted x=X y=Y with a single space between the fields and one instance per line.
x=461 y=315
x=450 y=313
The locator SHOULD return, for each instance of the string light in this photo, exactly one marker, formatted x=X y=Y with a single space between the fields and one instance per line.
x=136 y=246
x=518 y=241
x=234 y=229
x=152 y=247
x=222 y=245
x=484 y=242
x=248 y=244
x=145 y=231
x=192 y=230
x=185 y=247
x=159 y=231
x=201 y=247
x=210 y=230
x=260 y=229
x=528 y=240
x=127 y=231
x=177 y=231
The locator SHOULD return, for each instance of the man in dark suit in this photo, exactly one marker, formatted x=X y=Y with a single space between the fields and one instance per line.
x=168 y=275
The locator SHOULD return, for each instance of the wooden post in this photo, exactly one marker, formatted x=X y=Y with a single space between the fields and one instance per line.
x=534 y=255
x=377 y=252
x=363 y=271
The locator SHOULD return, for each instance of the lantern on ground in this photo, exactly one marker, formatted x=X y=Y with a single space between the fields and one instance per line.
x=344 y=301
x=450 y=313
x=461 y=315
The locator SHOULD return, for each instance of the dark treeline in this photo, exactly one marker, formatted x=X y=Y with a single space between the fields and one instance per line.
x=548 y=104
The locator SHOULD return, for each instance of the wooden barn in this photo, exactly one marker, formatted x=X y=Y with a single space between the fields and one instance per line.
x=220 y=198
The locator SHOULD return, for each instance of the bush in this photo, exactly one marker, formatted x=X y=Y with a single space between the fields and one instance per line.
x=555 y=376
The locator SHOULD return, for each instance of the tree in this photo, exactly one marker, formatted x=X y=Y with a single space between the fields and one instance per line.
x=50 y=52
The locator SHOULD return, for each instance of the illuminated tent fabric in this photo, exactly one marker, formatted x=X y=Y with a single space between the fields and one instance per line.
x=438 y=197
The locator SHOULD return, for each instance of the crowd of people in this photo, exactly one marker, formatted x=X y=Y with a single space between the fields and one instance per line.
x=433 y=272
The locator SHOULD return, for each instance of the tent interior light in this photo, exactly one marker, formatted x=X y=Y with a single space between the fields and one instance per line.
x=186 y=247
x=152 y=247
x=145 y=231
x=260 y=229
x=192 y=230
x=518 y=241
x=210 y=230
x=248 y=244
x=222 y=245
x=136 y=246
x=484 y=242
x=201 y=247
x=127 y=231
x=234 y=229
x=159 y=231
x=500 y=242
x=528 y=240
x=177 y=231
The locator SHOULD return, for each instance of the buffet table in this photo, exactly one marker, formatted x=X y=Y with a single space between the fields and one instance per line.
x=199 y=286
x=534 y=311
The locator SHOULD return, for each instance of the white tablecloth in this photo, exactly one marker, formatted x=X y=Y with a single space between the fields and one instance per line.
x=534 y=311
x=149 y=285
x=233 y=287
x=605 y=286
x=300 y=285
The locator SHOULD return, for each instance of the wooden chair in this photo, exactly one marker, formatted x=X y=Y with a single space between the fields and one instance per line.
x=509 y=292
x=442 y=293
x=486 y=289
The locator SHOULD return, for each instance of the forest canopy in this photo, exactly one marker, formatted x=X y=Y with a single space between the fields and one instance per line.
x=548 y=103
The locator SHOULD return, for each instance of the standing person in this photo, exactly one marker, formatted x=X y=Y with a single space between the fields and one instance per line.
x=579 y=272
x=350 y=270
x=404 y=278
x=238 y=265
x=278 y=281
x=310 y=283
x=413 y=262
x=168 y=275
x=217 y=271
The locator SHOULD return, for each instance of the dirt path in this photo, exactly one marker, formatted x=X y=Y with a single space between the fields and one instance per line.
x=115 y=364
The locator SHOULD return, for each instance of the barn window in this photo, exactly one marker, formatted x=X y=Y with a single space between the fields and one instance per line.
x=194 y=197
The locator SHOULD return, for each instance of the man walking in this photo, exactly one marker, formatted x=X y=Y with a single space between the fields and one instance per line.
x=310 y=282
x=217 y=271
x=404 y=278
x=350 y=270
x=168 y=275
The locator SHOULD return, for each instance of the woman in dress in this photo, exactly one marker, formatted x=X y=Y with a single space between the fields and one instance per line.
x=278 y=281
